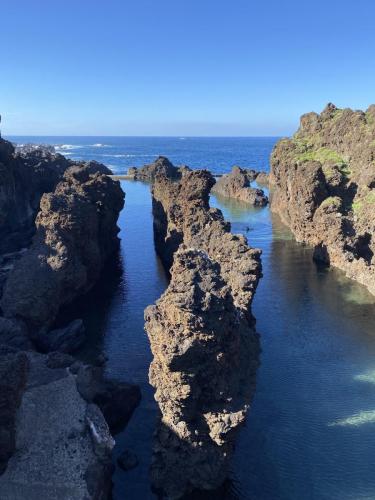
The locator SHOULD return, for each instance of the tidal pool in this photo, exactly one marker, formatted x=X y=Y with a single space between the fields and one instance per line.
x=310 y=434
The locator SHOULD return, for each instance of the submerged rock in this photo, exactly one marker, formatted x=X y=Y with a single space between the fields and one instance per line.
x=127 y=460
x=237 y=185
x=323 y=188
x=202 y=336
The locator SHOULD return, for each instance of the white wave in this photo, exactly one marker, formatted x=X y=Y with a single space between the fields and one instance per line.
x=99 y=145
x=361 y=418
x=366 y=377
x=129 y=156
x=67 y=146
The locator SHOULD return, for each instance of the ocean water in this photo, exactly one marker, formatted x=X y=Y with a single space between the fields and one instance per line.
x=119 y=153
x=310 y=434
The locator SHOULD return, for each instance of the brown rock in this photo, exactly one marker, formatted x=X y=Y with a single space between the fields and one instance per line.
x=323 y=188
x=237 y=185
x=202 y=337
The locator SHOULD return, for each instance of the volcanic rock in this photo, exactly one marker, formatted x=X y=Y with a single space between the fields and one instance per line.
x=66 y=340
x=60 y=446
x=202 y=336
x=237 y=185
x=323 y=188
x=161 y=166
x=76 y=232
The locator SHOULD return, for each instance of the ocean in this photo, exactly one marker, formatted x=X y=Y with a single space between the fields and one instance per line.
x=217 y=154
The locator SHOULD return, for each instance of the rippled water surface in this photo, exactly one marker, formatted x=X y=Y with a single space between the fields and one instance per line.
x=310 y=434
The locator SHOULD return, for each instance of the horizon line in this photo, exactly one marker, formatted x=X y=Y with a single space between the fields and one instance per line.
x=154 y=136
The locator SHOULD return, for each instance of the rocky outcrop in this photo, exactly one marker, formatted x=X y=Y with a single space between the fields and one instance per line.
x=25 y=176
x=237 y=185
x=323 y=188
x=202 y=337
x=56 y=414
x=24 y=179
x=57 y=445
x=76 y=232
x=56 y=419
x=161 y=166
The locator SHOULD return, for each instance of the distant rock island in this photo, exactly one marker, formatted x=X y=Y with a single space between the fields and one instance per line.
x=237 y=185
x=323 y=188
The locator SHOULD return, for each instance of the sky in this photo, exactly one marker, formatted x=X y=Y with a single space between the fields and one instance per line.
x=181 y=67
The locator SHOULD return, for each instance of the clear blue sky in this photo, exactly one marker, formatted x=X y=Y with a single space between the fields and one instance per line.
x=181 y=67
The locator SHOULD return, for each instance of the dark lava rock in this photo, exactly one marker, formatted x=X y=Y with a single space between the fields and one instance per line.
x=117 y=400
x=65 y=340
x=76 y=234
x=13 y=333
x=161 y=166
x=13 y=375
x=59 y=360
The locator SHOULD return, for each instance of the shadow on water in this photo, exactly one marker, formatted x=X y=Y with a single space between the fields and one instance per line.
x=95 y=307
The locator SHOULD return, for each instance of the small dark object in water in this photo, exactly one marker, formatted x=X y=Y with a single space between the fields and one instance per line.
x=127 y=460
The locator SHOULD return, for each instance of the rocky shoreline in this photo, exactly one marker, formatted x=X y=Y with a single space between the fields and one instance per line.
x=58 y=228
x=202 y=335
x=323 y=187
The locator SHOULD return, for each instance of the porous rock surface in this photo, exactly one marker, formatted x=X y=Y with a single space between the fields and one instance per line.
x=202 y=337
x=237 y=185
x=57 y=444
x=323 y=188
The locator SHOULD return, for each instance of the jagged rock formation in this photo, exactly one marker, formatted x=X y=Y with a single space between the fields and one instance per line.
x=323 y=188
x=55 y=442
x=76 y=232
x=24 y=179
x=56 y=414
x=237 y=185
x=161 y=166
x=202 y=336
x=25 y=176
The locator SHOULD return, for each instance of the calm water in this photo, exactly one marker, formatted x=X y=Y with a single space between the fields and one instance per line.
x=311 y=431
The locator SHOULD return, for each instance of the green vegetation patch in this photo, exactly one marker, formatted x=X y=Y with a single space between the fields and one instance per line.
x=327 y=157
x=323 y=155
x=359 y=205
x=332 y=201
x=370 y=120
